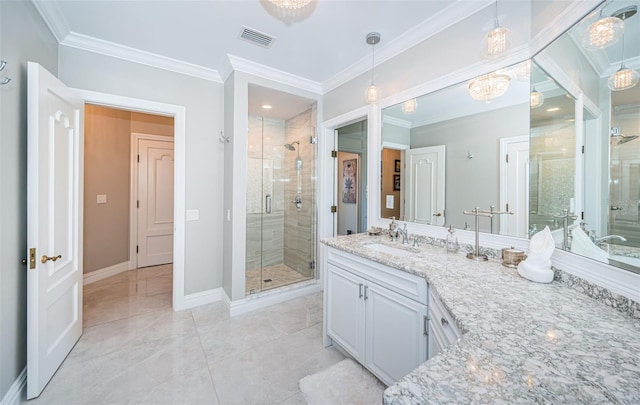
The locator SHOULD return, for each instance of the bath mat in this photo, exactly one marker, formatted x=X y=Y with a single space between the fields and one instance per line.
x=345 y=383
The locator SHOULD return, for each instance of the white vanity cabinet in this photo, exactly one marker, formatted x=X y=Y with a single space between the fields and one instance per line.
x=442 y=328
x=377 y=314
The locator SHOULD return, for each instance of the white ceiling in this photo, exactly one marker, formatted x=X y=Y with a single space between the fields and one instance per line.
x=320 y=43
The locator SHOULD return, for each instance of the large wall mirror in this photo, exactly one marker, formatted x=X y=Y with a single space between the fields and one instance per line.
x=599 y=59
x=559 y=147
x=446 y=152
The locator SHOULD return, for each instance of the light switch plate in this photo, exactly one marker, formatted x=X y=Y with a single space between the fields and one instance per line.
x=101 y=199
x=193 y=215
x=390 y=204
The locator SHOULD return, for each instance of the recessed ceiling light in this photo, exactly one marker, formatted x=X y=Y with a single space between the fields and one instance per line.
x=267 y=106
x=553 y=109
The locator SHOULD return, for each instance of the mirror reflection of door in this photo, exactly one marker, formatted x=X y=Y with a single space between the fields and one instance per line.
x=351 y=181
x=425 y=185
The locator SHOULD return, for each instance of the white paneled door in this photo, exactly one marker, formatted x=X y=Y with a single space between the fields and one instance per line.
x=514 y=188
x=424 y=195
x=54 y=225
x=155 y=199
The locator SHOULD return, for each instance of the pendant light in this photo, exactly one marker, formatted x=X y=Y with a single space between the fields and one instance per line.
x=497 y=41
x=536 y=98
x=410 y=106
x=290 y=4
x=624 y=78
x=372 y=95
x=604 y=32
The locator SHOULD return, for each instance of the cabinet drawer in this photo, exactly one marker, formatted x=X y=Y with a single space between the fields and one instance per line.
x=442 y=321
x=408 y=285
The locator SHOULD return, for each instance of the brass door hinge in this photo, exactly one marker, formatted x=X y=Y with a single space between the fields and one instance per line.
x=334 y=153
x=334 y=209
x=32 y=258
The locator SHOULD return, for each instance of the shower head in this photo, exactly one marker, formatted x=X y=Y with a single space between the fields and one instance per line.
x=626 y=139
x=290 y=145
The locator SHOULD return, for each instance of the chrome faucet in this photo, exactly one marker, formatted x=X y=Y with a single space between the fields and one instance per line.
x=404 y=233
x=598 y=241
x=566 y=216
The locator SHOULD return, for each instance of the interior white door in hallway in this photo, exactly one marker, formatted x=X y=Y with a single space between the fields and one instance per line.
x=54 y=225
x=424 y=184
x=155 y=202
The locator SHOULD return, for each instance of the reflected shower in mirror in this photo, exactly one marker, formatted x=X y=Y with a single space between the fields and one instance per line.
x=606 y=227
x=446 y=152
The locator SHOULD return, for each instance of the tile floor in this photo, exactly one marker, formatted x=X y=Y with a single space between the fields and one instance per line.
x=279 y=274
x=136 y=350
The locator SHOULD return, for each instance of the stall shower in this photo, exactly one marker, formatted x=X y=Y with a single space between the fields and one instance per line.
x=281 y=213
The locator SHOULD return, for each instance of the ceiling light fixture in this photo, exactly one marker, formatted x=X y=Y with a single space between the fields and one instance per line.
x=497 y=41
x=410 y=106
x=604 y=32
x=373 y=38
x=489 y=86
x=522 y=71
x=553 y=109
x=290 y=4
x=536 y=98
x=624 y=78
x=267 y=106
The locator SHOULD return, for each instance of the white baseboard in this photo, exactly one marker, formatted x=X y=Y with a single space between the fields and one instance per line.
x=14 y=395
x=202 y=298
x=268 y=298
x=101 y=274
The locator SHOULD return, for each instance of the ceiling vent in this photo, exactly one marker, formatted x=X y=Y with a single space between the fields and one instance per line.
x=256 y=37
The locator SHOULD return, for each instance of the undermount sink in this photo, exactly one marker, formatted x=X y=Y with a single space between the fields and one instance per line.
x=379 y=247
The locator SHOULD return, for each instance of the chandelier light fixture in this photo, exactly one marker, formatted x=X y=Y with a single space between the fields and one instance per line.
x=290 y=4
x=522 y=71
x=536 y=98
x=604 y=32
x=372 y=95
x=410 y=106
x=489 y=86
x=497 y=41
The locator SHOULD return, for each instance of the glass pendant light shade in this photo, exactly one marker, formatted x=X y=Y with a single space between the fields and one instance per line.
x=290 y=4
x=623 y=79
x=489 y=86
x=603 y=33
x=372 y=94
x=497 y=42
x=537 y=98
x=410 y=106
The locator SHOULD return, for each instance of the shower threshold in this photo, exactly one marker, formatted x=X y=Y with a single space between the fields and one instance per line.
x=271 y=277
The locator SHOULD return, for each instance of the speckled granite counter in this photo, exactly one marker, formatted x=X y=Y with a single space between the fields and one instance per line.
x=522 y=342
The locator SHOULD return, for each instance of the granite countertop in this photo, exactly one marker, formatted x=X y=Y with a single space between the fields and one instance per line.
x=522 y=342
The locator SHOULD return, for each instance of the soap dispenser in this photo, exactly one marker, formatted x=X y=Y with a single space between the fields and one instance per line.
x=392 y=228
x=452 y=240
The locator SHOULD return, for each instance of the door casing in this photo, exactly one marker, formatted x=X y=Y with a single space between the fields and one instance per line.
x=179 y=198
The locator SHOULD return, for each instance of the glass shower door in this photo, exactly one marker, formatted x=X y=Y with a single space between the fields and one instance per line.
x=280 y=203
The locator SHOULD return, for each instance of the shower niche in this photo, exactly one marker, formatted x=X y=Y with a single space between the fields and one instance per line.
x=281 y=214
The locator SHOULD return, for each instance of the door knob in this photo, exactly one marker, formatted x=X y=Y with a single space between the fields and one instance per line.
x=46 y=258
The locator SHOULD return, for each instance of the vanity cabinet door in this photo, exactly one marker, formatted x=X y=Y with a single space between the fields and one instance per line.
x=442 y=326
x=396 y=333
x=345 y=310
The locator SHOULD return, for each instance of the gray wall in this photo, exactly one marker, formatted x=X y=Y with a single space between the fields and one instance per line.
x=24 y=37
x=203 y=101
x=473 y=182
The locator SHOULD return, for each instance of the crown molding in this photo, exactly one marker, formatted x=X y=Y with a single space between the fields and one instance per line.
x=266 y=72
x=438 y=22
x=87 y=43
x=53 y=17
x=398 y=122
